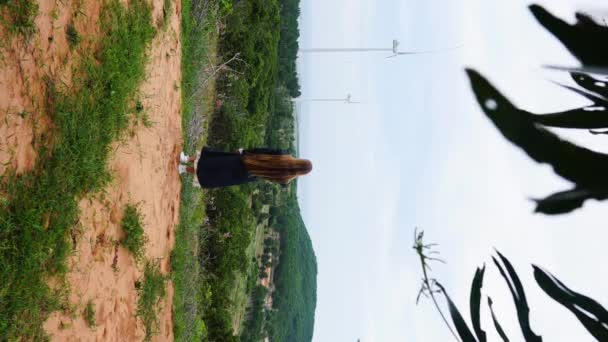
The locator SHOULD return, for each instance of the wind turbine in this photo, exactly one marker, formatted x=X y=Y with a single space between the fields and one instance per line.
x=349 y=99
x=394 y=49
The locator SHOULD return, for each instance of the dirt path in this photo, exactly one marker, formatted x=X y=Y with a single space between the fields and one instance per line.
x=144 y=168
x=23 y=67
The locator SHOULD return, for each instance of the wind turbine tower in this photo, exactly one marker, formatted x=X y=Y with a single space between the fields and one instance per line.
x=348 y=100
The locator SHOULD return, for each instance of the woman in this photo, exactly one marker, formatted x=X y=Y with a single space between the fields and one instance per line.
x=217 y=169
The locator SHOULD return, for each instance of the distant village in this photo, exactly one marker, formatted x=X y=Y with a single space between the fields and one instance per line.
x=268 y=262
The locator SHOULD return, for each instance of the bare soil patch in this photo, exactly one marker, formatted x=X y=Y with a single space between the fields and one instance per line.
x=144 y=166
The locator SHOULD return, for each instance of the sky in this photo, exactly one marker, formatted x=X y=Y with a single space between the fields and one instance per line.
x=418 y=152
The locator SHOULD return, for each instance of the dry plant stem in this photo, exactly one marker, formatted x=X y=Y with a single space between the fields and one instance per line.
x=216 y=69
x=428 y=285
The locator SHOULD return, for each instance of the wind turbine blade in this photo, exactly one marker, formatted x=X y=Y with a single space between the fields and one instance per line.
x=429 y=51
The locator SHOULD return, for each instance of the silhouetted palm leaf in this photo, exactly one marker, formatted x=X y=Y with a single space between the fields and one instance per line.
x=497 y=325
x=592 y=116
x=582 y=166
x=475 y=303
x=475 y=300
x=566 y=201
x=461 y=326
x=519 y=297
x=603 y=70
x=590 y=83
x=589 y=312
x=586 y=40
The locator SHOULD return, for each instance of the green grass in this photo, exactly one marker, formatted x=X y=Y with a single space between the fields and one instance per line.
x=18 y=16
x=151 y=289
x=89 y=314
x=191 y=290
x=135 y=238
x=72 y=35
x=42 y=205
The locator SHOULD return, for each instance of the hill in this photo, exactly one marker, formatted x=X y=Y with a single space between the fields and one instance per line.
x=295 y=279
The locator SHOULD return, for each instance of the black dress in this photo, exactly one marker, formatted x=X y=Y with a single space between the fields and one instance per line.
x=217 y=168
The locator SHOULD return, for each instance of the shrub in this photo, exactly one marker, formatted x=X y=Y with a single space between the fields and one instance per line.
x=152 y=290
x=72 y=35
x=135 y=238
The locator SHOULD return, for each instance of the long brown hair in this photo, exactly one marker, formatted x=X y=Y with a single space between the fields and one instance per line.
x=277 y=168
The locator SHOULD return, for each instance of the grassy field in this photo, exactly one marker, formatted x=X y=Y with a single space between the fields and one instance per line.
x=238 y=301
x=240 y=297
x=39 y=208
x=199 y=45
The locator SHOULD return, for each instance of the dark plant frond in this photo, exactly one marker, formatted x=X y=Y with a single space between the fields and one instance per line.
x=497 y=325
x=596 y=99
x=582 y=166
x=519 y=297
x=596 y=70
x=475 y=303
x=591 y=116
x=566 y=201
x=461 y=326
x=592 y=315
x=585 y=39
x=590 y=83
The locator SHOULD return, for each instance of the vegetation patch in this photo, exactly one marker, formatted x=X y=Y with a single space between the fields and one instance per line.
x=245 y=99
x=42 y=205
x=18 y=16
x=89 y=314
x=135 y=238
x=152 y=290
x=72 y=35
